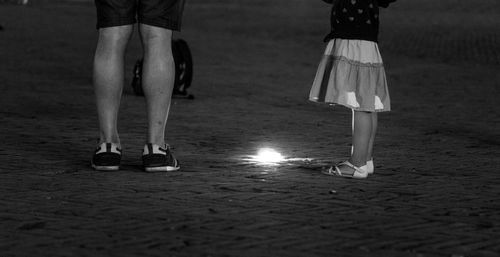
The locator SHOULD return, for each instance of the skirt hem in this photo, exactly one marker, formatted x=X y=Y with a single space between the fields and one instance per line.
x=350 y=106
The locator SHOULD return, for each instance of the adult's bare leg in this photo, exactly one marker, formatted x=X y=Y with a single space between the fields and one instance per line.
x=109 y=78
x=158 y=79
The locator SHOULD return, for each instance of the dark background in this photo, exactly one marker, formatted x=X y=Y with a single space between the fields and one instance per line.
x=434 y=193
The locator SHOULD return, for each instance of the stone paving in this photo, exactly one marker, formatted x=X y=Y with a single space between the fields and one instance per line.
x=434 y=193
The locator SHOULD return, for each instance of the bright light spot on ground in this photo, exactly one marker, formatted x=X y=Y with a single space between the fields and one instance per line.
x=268 y=156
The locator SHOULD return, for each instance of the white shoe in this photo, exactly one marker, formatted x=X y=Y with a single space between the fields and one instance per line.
x=368 y=167
x=359 y=172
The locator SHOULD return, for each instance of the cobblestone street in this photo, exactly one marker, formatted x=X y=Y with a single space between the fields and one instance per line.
x=434 y=192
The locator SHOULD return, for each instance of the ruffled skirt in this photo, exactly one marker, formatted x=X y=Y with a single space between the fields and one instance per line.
x=351 y=73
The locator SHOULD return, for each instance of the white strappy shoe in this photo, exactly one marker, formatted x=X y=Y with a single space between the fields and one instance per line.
x=359 y=172
x=369 y=167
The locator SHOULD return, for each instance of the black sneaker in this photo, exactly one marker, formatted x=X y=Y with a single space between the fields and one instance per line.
x=157 y=158
x=107 y=157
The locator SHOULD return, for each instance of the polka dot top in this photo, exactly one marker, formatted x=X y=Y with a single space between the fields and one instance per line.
x=355 y=19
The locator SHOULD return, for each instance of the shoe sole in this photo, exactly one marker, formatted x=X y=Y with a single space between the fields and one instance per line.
x=162 y=168
x=106 y=168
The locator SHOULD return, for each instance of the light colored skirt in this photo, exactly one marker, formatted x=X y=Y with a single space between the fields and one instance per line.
x=351 y=73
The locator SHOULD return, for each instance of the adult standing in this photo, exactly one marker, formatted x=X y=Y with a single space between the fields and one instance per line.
x=115 y=22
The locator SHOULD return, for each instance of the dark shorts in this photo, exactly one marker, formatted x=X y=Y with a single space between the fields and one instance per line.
x=160 y=13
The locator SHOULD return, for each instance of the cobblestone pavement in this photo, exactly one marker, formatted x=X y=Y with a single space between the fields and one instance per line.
x=434 y=193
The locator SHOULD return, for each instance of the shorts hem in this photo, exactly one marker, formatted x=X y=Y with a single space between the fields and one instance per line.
x=115 y=23
x=166 y=24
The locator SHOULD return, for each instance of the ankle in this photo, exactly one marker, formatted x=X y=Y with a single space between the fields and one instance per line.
x=112 y=139
x=158 y=143
x=357 y=163
x=117 y=143
x=156 y=139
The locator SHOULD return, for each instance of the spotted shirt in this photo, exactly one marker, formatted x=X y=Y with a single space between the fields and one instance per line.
x=355 y=19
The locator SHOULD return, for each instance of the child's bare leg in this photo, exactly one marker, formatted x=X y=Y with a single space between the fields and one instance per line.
x=108 y=78
x=369 y=155
x=361 y=137
x=362 y=128
x=158 y=79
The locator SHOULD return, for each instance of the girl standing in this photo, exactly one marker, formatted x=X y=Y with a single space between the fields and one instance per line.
x=352 y=74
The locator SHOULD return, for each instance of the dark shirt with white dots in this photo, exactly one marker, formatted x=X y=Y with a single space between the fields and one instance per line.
x=355 y=19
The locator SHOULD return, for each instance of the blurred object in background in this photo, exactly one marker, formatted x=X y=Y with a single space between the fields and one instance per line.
x=183 y=71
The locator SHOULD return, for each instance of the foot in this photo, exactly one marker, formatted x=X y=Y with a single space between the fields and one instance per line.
x=107 y=157
x=157 y=158
x=347 y=169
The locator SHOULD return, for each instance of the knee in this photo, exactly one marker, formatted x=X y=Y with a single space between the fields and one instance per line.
x=151 y=35
x=115 y=35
